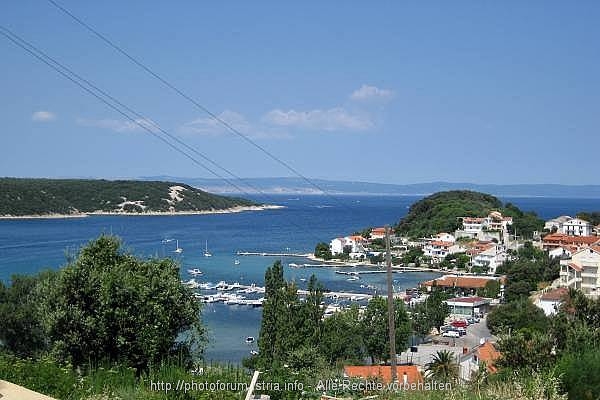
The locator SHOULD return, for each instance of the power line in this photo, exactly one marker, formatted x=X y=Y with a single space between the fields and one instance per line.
x=192 y=100
x=70 y=74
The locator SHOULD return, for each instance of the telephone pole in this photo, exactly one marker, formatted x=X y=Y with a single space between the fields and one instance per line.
x=390 y=299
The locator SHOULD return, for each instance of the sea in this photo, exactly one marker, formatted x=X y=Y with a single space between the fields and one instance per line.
x=29 y=246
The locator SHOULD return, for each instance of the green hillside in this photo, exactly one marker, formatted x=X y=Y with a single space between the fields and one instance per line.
x=440 y=212
x=19 y=197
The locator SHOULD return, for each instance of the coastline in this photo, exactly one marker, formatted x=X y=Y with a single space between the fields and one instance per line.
x=231 y=210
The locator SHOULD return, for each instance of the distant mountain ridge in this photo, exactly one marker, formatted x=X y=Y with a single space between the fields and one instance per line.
x=300 y=186
x=41 y=197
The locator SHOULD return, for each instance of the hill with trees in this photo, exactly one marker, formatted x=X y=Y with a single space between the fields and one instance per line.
x=441 y=211
x=38 y=197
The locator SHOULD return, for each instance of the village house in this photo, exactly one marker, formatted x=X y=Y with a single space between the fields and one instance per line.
x=494 y=226
x=582 y=271
x=490 y=258
x=551 y=300
x=352 y=244
x=470 y=361
x=554 y=240
x=577 y=227
x=468 y=284
x=377 y=233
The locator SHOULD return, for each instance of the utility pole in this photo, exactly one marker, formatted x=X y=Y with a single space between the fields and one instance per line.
x=390 y=299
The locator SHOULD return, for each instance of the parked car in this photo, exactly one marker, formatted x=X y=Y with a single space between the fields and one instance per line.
x=446 y=328
x=459 y=323
x=471 y=320
x=452 y=334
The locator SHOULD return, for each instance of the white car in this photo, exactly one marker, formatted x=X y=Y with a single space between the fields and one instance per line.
x=452 y=334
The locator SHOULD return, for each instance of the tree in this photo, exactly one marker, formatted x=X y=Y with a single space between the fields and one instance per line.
x=527 y=348
x=21 y=330
x=431 y=313
x=323 y=251
x=111 y=306
x=288 y=323
x=443 y=367
x=413 y=255
x=517 y=315
x=375 y=328
x=342 y=337
x=491 y=289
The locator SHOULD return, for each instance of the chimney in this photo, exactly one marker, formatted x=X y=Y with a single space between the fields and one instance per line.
x=404 y=378
x=465 y=350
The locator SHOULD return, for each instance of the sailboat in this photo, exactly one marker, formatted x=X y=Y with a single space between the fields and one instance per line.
x=206 y=252
x=178 y=249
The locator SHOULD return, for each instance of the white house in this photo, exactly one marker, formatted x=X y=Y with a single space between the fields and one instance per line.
x=550 y=301
x=470 y=361
x=582 y=271
x=492 y=257
x=438 y=250
x=494 y=226
x=577 y=227
x=355 y=244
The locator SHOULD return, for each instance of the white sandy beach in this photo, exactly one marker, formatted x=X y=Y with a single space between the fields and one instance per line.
x=231 y=210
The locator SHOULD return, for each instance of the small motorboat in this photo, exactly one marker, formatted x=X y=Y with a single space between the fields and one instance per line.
x=194 y=272
x=236 y=262
x=250 y=339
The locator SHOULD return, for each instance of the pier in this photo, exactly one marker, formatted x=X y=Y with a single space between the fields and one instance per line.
x=267 y=254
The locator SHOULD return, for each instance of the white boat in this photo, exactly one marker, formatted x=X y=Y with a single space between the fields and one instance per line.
x=165 y=241
x=206 y=252
x=254 y=352
x=178 y=249
x=236 y=262
x=194 y=272
x=353 y=278
x=250 y=339
x=192 y=284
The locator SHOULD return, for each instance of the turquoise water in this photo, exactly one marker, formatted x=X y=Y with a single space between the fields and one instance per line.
x=28 y=246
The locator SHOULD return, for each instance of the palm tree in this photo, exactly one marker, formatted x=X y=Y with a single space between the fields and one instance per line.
x=443 y=367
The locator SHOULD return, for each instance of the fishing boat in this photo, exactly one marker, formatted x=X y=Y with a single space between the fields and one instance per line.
x=206 y=252
x=194 y=272
x=178 y=249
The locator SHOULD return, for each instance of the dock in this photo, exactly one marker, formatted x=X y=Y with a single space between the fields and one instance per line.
x=267 y=254
x=225 y=287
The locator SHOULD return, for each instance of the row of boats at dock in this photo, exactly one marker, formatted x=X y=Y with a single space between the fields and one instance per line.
x=228 y=293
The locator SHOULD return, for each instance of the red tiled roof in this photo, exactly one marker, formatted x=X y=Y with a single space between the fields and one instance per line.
x=459 y=281
x=384 y=372
x=488 y=354
x=561 y=238
x=473 y=299
x=575 y=267
x=555 y=295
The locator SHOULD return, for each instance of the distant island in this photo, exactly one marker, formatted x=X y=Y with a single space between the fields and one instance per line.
x=291 y=185
x=24 y=197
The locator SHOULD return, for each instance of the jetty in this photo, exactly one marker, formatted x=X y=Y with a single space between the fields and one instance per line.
x=267 y=254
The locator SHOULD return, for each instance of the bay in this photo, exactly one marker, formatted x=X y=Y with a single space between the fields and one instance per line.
x=28 y=246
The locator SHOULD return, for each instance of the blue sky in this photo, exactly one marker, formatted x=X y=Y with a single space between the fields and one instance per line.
x=397 y=92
